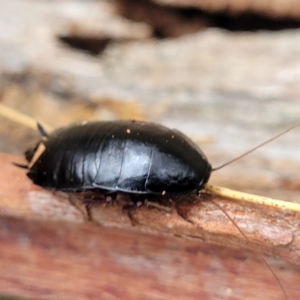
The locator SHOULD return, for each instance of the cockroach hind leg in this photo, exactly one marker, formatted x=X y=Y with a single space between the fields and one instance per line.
x=134 y=203
x=89 y=204
x=74 y=202
x=91 y=200
x=183 y=209
x=85 y=201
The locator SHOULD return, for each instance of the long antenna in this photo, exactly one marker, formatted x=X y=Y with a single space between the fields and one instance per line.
x=258 y=146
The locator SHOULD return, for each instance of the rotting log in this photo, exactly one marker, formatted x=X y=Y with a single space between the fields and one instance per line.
x=64 y=260
x=48 y=251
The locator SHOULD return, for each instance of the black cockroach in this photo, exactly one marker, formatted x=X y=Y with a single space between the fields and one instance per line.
x=120 y=156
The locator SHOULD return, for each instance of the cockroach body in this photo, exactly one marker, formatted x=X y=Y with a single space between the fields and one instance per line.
x=118 y=156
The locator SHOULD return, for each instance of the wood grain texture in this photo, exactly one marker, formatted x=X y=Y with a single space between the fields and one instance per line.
x=48 y=252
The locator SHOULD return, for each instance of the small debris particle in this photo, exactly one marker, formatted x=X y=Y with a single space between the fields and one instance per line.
x=163 y=193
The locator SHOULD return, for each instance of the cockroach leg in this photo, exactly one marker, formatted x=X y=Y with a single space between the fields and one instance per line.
x=134 y=202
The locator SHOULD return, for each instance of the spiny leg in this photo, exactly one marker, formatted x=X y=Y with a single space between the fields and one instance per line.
x=182 y=206
x=95 y=198
x=134 y=203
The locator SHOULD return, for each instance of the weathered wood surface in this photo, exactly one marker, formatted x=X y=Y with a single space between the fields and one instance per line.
x=49 y=251
x=60 y=260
